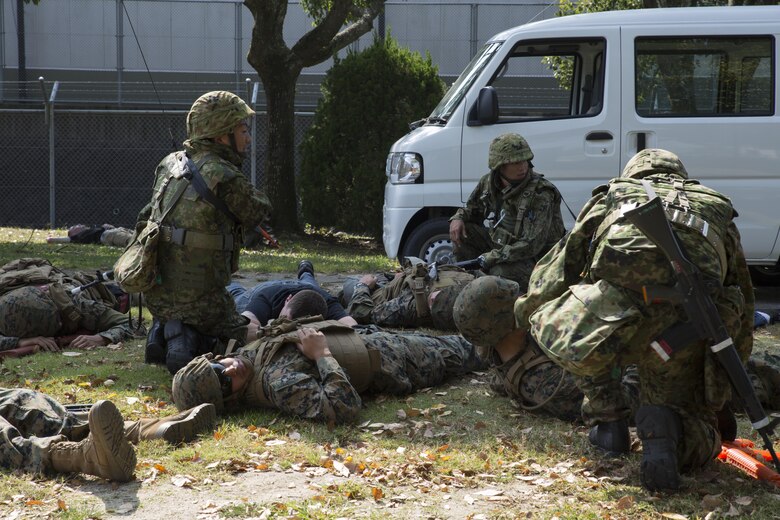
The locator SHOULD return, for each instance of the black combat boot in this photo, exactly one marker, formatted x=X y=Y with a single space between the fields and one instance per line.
x=660 y=430
x=727 y=424
x=612 y=437
x=155 y=344
x=183 y=344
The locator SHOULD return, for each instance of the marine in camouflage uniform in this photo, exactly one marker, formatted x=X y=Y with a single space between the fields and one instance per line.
x=199 y=245
x=411 y=299
x=289 y=373
x=484 y=315
x=586 y=311
x=513 y=216
x=35 y=315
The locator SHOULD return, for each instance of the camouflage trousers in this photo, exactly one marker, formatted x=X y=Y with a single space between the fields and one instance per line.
x=212 y=313
x=478 y=242
x=29 y=422
x=410 y=361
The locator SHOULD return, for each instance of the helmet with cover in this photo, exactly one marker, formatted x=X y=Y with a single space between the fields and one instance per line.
x=484 y=312
x=507 y=149
x=653 y=160
x=197 y=383
x=27 y=312
x=216 y=113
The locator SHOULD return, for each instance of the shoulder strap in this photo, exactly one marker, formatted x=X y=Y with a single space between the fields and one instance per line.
x=203 y=190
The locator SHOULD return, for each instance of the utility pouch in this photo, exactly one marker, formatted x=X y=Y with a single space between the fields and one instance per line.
x=136 y=269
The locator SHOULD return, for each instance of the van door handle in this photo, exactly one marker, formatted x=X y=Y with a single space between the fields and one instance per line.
x=598 y=136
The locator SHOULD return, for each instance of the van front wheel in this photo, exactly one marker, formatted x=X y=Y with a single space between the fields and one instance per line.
x=430 y=241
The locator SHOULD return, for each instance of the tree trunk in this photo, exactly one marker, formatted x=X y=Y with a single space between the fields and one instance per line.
x=280 y=156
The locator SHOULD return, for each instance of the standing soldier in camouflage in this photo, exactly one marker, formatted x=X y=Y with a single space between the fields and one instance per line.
x=484 y=314
x=199 y=242
x=513 y=216
x=586 y=310
x=40 y=316
x=37 y=434
x=318 y=370
x=412 y=299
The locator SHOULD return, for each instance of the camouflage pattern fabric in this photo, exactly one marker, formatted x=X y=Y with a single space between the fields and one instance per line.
x=116 y=237
x=192 y=280
x=322 y=391
x=30 y=311
x=394 y=305
x=216 y=113
x=507 y=149
x=512 y=227
x=690 y=383
x=29 y=422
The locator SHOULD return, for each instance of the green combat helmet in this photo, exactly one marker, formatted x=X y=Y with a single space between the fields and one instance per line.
x=651 y=161
x=28 y=312
x=195 y=384
x=508 y=148
x=216 y=113
x=484 y=312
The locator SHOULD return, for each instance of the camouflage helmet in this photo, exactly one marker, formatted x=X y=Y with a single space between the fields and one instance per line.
x=508 y=148
x=216 y=113
x=484 y=311
x=653 y=160
x=441 y=308
x=28 y=312
x=195 y=384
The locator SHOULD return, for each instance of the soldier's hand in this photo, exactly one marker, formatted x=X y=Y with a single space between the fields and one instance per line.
x=85 y=341
x=42 y=342
x=457 y=231
x=369 y=279
x=313 y=344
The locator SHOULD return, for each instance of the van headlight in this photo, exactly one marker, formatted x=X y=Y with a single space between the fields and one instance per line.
x=404 y=168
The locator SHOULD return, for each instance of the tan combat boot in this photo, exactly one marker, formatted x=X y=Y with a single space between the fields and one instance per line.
x=104 y=453
x=182 y=427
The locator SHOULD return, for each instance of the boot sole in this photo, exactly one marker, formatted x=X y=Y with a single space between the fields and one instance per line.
x=108 y=433
x=660 y=433
x=201 y=419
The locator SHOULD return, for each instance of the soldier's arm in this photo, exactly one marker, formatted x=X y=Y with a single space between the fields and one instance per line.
x=104 y=321
x=397 y=312
x=250 y=205
x=536 y=228
x=8 y=343
x=473 y=211
x=361 y=305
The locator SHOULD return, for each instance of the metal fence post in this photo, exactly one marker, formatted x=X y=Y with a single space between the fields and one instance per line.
x=49 y=119
x=120 y=60
x=253 y=148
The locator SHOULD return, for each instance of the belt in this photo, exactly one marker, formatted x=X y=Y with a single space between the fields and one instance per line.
x=185 y=237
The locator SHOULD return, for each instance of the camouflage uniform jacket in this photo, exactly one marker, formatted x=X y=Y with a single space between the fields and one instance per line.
x=569 y=261
x=524 y=221
x=322 y=391
x=94 y=317
x=187 y=271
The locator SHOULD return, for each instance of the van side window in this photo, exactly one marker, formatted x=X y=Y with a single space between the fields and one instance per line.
x=551 y=79
x=704 y=76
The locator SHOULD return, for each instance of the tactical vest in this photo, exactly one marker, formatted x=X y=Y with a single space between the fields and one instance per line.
x=26 y=272
x=623 y=255
x=417 y=278
x=186 y=210
x=503 y=228
x=344 y=343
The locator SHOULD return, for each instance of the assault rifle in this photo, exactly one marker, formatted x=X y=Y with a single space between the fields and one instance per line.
x=99 y=278
x=691 y=291
x=468 y=265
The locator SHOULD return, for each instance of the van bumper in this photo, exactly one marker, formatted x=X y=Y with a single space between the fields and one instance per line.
x=394 y=221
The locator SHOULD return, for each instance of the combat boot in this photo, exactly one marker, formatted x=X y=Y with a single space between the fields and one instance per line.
x=182 y=427
x=183 y=344
x=155 y=344
x=104 y=453
x=611 y=436
x=727 y=424
x=660 y=430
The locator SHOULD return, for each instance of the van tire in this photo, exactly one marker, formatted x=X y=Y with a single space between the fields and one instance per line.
x=430 y=241
x=765 y=275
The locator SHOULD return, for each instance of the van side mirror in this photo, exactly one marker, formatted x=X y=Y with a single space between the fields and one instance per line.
x=485 y=111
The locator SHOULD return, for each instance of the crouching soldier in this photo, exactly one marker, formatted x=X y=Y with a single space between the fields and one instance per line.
x=38 y=435
x=318 y=370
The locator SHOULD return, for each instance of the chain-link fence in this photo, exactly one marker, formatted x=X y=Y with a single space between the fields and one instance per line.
x=94 y=166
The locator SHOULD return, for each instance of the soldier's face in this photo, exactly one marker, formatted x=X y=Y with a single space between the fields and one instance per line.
x=515 y=172
x=243 y=137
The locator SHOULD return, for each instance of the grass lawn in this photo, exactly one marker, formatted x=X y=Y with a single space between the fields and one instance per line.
x=455 y=451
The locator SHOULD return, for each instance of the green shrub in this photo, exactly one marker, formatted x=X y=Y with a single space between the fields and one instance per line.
x=369 y=99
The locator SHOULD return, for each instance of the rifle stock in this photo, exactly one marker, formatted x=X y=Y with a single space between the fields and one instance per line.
x=650 y=219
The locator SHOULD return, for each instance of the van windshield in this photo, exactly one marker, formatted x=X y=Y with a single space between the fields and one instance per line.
x=455 y=94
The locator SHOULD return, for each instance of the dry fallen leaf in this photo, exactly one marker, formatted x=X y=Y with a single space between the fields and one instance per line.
x=711 y=502
x=744 y=501
x=61 y=505
x=625 y=502
x=182 y=480
x=376 y=493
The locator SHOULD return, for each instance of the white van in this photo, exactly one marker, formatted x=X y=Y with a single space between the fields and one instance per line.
x=588 y=92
